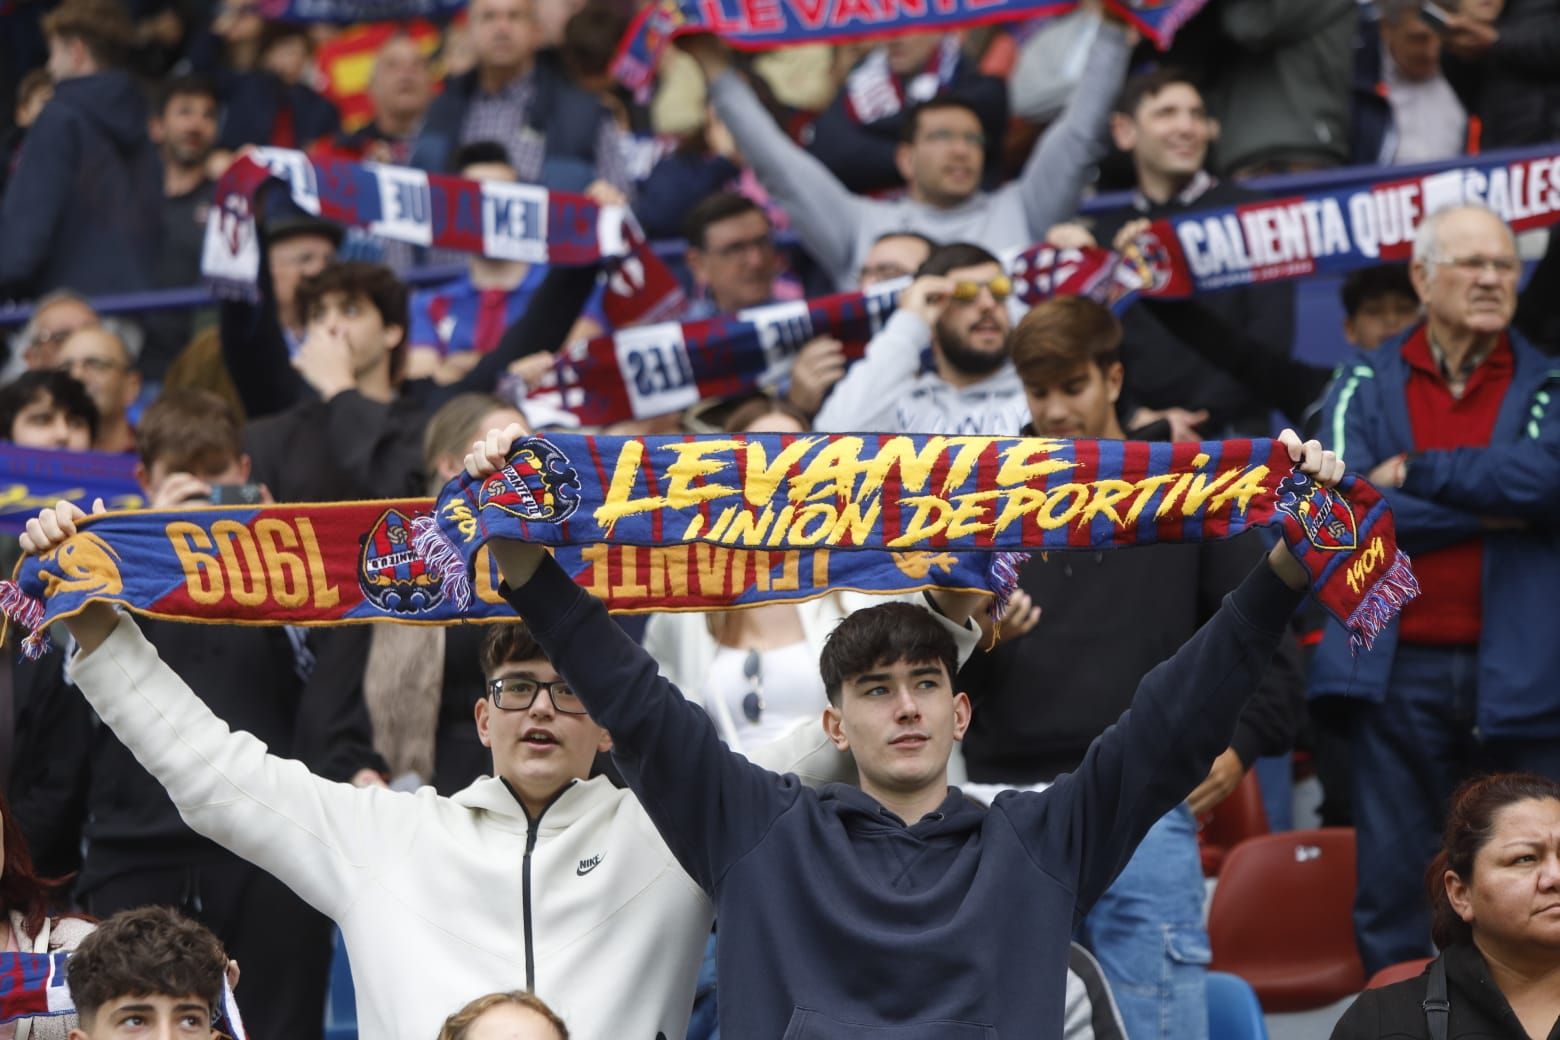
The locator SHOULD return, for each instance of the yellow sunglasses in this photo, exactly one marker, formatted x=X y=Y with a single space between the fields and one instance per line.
x=1000 y=287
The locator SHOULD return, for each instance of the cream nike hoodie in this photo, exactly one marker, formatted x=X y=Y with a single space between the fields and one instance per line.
x=440 y=899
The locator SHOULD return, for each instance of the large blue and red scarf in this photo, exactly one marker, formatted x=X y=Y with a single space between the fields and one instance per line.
x=677 y=523
x=35 y=985
x=500 y=220
x=897 y=493
x=758 y=25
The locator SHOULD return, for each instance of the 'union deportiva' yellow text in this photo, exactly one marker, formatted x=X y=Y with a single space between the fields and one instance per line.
x=835 y=496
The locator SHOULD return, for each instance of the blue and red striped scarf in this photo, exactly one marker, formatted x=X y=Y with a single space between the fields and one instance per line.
x=759 y=25
x=500 y=220
x=698 y=523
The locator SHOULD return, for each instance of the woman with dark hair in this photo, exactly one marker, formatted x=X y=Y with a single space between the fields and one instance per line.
x=1495 y=896
x=27 y=927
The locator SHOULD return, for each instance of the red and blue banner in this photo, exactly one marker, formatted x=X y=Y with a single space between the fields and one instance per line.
x=1279 y=239
x=496 y=219
x=32 y=479
x=768 y=24
x=33 y=985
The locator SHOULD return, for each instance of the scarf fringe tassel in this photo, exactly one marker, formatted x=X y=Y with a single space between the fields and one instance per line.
x=1381 y=603
x=443 y=558
x=28 y=612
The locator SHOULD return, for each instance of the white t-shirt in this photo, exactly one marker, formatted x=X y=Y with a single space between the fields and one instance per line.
x=785 y=689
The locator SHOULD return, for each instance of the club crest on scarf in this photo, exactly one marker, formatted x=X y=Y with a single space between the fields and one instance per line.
x=1148 y=259
x=1327 y=521
x=537 y=484
x=391 y=574
x=87 y=565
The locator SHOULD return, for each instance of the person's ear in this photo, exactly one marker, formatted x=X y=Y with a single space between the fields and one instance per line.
x=1115 y=375
x=962 y=710
x=1458 y=896
x=143 y=477
x=604 y=745
x=834 y=728
x=696 y=267
x=1123 y=131
x=1214 y=129
x=904 y=161
x=1349 y=332
x=483 y=712
x=132 y=387
x=244 y=467
x=1419 y=274
x=394 y=334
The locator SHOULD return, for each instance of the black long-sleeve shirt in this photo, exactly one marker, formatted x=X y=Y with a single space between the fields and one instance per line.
x=1108 y=619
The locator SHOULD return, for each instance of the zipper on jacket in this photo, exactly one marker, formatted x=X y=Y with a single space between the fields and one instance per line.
x=532 y=828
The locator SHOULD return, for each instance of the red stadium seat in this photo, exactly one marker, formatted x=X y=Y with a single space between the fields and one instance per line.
x=1238 y=817
x=1398 y=972
x=1280 y=918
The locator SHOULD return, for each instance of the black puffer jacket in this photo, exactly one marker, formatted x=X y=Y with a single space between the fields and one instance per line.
x=1479 y=1010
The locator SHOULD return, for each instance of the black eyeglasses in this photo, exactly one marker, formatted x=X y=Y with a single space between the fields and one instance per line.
x=517 y=693
x=753 y=701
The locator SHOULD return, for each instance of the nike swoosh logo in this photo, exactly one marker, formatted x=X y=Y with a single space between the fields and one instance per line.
x=588 y=865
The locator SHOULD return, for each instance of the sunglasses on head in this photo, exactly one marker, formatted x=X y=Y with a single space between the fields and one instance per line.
x=1000 y=287
x=753 y=672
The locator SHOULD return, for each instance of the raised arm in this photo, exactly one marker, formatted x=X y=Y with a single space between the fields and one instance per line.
x=825 y=214
x=1182 y=716
x=318 y=837
x=1054 y=175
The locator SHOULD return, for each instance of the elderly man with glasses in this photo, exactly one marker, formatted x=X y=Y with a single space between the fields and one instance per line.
x=55 y=318
x=1457 y=422
x=957 y=307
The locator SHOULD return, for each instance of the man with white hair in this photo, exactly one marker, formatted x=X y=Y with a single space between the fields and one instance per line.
x=1458 y=422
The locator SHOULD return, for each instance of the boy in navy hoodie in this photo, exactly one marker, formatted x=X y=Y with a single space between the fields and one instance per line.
x=900 y=907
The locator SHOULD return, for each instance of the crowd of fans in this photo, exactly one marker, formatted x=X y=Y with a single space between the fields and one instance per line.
x=274 y=803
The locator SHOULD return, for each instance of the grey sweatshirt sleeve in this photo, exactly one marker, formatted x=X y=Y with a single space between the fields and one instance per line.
x=865 y=399
x=1053 y=177
x=825 y=214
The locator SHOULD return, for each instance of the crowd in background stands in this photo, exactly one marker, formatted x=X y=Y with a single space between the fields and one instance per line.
x=923 y=156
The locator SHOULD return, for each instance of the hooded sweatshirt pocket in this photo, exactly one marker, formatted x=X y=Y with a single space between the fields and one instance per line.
x=814 y=1025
